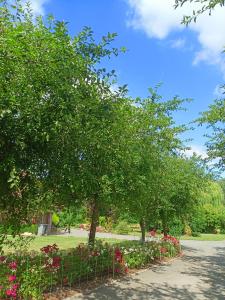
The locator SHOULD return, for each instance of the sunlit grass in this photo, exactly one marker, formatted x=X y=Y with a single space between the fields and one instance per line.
x=63 y=242
x=205 y=237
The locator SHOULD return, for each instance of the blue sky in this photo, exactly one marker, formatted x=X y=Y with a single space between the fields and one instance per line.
x=188 y=61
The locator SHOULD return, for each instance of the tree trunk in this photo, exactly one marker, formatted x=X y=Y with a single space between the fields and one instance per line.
x=165 y=228
x=142 y=225
x=94 y=223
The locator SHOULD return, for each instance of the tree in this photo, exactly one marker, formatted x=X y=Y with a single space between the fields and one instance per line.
x=48 y=87
x=155 y=139
x=215 y=116
x=203 y=6
x=215 y=119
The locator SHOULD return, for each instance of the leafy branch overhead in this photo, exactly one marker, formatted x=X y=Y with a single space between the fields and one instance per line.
x=202 y=7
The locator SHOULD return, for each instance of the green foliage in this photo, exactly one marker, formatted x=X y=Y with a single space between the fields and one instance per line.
x=176 y=228
x=41 y=272
x=55 y=219
x=187 y=230
x=137 y=254
x=72 y=216
x=196 y=234
x=102 y=221
x=122 y=227
x=206 y=6
x=208 y=219
x=33 y=228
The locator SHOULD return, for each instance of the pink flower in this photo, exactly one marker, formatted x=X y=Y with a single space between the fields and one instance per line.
x=12 y=278
x=15 y=286
x=11 y=293
x=1 y=287
x=13 y=265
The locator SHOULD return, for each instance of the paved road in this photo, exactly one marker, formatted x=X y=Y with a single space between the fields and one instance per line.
x=199 y=274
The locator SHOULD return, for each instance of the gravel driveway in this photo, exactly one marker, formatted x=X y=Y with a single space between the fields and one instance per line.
x=199 y=274
x=103 y=235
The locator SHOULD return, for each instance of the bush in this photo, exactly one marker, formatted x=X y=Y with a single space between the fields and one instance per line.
x=33 y=228
x=55 y=219
x=27 y=276
x=122 y=228
x=176 y=228
x=102 y=221
x=138 y=254
x=187 y=230
x=196 y=234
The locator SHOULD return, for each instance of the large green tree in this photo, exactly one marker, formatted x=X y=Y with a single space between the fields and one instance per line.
x=52 y=100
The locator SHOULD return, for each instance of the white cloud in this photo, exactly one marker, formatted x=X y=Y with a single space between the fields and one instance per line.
x=219 y=92
x=196 y=149
x=38 y=6
x=178 y=44
x=158 y=18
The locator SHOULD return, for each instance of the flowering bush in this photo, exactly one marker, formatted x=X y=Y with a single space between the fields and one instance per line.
x=26 y=277
x=29 y=276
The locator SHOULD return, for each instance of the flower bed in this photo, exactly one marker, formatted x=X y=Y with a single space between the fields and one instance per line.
x=28 y=276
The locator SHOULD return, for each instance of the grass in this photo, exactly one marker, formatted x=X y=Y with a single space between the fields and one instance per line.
x=63 y=242
x=202 y=237
x=205 y=237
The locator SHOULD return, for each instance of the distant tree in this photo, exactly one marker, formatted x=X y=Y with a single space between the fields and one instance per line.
x=157 y=137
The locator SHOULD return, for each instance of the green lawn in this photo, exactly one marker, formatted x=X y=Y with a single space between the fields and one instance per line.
x=205 y=237
x=63 y=242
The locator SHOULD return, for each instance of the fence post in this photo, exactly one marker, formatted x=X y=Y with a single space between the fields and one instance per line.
x=113 y=266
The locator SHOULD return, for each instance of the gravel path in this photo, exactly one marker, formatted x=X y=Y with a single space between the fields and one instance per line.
x=104 y=235
x=199 y=274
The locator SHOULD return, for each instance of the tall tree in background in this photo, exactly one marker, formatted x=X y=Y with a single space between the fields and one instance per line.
x=157 y=137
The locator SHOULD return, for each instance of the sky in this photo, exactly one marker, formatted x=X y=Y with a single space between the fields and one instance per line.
x=188 y=61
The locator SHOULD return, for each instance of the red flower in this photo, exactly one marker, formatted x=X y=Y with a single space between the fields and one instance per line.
x=13 y=265
x=56 y=262
x=163 y=250
x=50 y=249
x=12 y=278
x=2 y=258
x=118 y=255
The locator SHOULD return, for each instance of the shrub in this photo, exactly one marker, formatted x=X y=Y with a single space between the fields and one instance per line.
x=122 y=228
x=55 y=219
x=187 y=230
x=196 y=234
x=29 y=276
x=176 y=228
x=33 y=228
x=137 y=254
x=102 y=221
